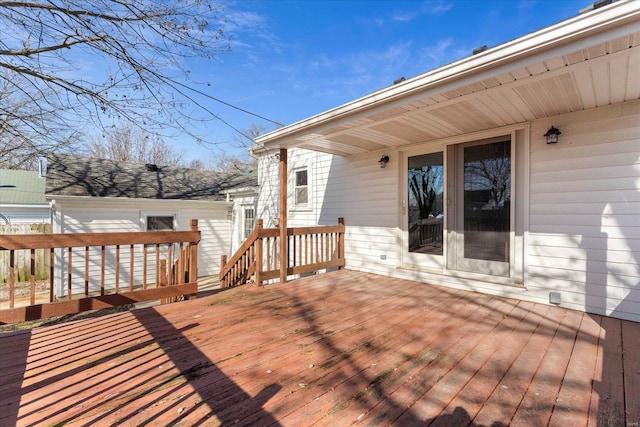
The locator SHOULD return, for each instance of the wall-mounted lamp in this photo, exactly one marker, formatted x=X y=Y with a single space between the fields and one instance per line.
x=552 y=135
x=383 y=161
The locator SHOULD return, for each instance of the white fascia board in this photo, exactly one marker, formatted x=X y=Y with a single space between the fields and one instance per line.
x=88 y=201
x=241 y=190
x=617 y=19
x=43 y=206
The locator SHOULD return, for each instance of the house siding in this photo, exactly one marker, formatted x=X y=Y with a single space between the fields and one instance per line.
x=126 y=216
x=579 y=230
x=584 y=239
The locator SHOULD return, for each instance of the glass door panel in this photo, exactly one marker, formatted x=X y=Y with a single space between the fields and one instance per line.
x=425 y=207
x=487 y=199
x=480 y=240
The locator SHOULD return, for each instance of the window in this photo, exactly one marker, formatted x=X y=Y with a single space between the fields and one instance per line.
x=160 y=223
x=301 y=188
x=249 y=221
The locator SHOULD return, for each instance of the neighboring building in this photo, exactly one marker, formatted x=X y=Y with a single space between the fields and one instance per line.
x=22 y=199
x=97 y=195
x=472 y=195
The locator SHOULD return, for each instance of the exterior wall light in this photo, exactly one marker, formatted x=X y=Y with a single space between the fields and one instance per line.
x=552 y=135
x=383 y=161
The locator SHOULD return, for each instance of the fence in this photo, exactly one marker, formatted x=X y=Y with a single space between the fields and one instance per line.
x=23 y=258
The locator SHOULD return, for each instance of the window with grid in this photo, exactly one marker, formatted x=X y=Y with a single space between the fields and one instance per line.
x=249 y=221
x=160 y=223
x=301 y=188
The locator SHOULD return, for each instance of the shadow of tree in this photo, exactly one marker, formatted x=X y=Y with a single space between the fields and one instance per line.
x=153 y=376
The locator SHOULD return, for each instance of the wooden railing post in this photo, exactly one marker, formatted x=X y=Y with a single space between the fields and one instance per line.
x=223 y=263
x=282 y=223
x=259 y=225
x=341 y=241
x=193 y=257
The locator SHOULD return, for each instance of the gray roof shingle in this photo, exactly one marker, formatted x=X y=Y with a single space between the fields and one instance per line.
x=69 y=175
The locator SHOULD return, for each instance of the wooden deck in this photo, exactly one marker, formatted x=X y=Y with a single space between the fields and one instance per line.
x=336 y=349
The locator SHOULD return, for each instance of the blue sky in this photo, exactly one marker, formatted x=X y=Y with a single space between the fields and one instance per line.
x=290 y=60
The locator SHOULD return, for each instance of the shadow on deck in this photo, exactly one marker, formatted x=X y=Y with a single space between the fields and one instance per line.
x=336 y=349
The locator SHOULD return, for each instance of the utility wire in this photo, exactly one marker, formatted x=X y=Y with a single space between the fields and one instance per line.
x=206 y=95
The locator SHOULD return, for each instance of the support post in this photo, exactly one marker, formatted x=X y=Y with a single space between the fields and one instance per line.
x=223 y=262
x=284 y=253
x=193 y=257
x=341 y=241
x=259 y=254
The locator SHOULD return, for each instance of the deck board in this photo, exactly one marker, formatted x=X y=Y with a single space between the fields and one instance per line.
x=336 y=349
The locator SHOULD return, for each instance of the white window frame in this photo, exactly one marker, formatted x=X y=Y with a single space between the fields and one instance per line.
x=307 y=204
x=245 y=231
x=145 y=215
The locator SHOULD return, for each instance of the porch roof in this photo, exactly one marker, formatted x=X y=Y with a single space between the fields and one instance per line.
x=588 y=61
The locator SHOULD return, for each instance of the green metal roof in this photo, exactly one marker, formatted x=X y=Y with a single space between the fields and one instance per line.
x=21 y=187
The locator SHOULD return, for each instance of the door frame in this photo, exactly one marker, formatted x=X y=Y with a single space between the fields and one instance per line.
x=519 y=215
x=415 y=260
x=455 y=257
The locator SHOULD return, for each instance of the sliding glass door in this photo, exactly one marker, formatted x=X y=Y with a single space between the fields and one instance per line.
x=477 y=235
x=424 y=207
x=481 y=218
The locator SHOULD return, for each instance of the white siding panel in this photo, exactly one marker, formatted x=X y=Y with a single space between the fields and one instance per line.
x=583 y=243
x=584 y=238
x=125 y=216
x=215 y=235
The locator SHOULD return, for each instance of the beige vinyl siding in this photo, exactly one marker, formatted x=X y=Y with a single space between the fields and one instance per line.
x=584 y=239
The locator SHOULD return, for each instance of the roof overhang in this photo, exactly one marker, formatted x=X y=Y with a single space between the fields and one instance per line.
x=585 y=62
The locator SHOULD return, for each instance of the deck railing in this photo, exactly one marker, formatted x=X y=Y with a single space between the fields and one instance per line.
x=309 y=249
x=90 y=271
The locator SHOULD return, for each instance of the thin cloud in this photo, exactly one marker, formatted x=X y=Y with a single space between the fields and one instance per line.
x=428 y=7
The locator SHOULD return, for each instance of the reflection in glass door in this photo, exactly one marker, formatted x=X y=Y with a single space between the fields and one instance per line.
x=480 y=240
x=425 y=188
x=487 y=199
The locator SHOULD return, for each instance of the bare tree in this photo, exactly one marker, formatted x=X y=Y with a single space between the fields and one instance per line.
x=24 y=129
x=74 y=64
x=130 y=144
x=240 y=160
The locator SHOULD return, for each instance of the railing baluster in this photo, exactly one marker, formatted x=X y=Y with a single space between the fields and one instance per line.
x=117 y=269
x=86 y=271
x=145 y=251
x=182 y=263
x=131 y=253
x=158 y=269
x=170 y=279
x=69 y=273
x=102 y=268
x=33 y=277
x=12 y=277
x=51 y=273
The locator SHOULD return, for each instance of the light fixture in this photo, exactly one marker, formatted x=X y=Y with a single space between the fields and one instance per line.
x=552 y=135
x=383 y=161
